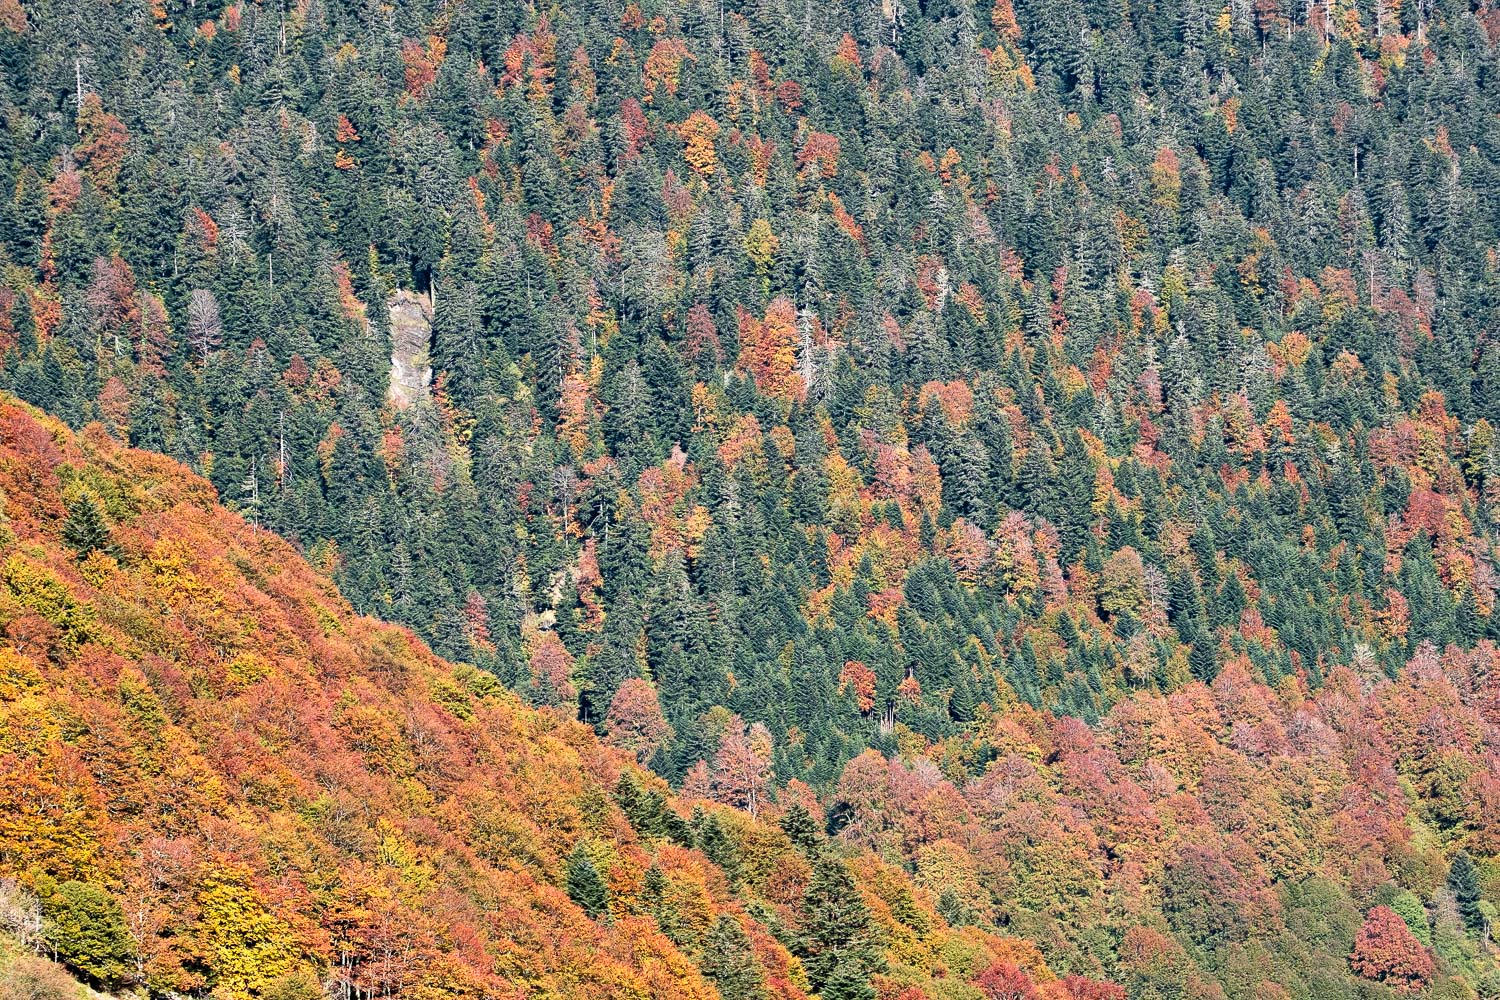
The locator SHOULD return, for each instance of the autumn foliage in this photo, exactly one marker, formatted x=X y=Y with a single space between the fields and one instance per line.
x=1386 y=951
x=1041 y=457
x=769 y=350
x=221 y=779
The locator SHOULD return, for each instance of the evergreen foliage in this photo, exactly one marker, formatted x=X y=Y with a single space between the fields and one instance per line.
x=728 y=961
x=839 y=945
x=584 y=884
x=1013 y=363
x=86 y=530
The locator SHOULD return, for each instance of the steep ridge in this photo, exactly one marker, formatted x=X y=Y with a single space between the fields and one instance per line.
x=215 y=777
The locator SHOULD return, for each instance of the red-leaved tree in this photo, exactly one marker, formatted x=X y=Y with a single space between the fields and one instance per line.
x=1386 y=951
x=1006 y=981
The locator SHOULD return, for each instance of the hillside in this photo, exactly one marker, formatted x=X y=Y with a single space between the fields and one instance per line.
x=25 y=976
x=215 y=778
x=916 y=500
x=848 y=366
x=269 y=784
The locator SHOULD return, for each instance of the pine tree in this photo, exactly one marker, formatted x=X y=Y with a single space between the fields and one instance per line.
x=583 y=884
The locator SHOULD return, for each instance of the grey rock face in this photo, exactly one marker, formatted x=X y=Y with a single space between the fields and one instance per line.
x=411 y=343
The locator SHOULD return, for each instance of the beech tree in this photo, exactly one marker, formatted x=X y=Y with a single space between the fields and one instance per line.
x=742 y=766
x=1006 y=981
x=1386 y=951
x=85 y=927
x=635 y=722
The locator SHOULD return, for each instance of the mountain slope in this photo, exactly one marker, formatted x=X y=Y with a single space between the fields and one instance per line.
x=214 y=776
x=205 y=707
x=1022 y=472
x=1042 y=351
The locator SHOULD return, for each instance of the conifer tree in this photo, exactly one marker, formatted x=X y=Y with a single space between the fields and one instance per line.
x=729 y=961
x=1463 y=882
x=666 y=915
x=849 y=981
x=85 y=530
x=715 y=843
x=800 y=827
x=584 y=885
x=840 y=945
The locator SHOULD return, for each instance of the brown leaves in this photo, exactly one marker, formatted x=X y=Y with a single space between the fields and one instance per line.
x=101 y=143
x=422 y=60
x=663 y=67
x=635 y=722
x=1386 y=951
x=13 y=16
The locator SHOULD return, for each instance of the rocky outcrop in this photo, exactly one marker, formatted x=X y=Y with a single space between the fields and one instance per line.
x=411 y=346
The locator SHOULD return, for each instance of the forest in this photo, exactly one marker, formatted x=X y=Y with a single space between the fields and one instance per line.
x=1033 y=461
x=217 y=780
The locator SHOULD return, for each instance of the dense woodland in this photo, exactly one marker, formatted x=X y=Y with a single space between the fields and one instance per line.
x=850 y=382
x=217 y=781
x=1055 y=440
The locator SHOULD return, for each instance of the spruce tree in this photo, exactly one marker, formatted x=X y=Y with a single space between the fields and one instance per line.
x=729 y=961
x=662 y=910
x=839 y=944
x=800 y=827
x=1202 y=660
x=715 y=844
x=962 y=705
x=85 y=530
x=583 y=884
x=1463 y=881
x=849 y=981
x=952 y=909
